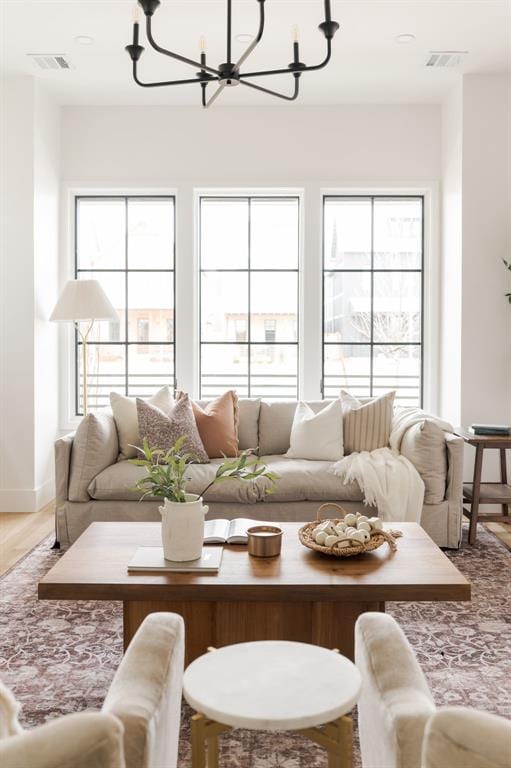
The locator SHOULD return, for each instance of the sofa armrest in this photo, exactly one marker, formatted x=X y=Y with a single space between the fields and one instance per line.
x=145 y=694
x=63 y=449
x=78 y=741
x=465 y=738
x=395 y=703
x=455 y=446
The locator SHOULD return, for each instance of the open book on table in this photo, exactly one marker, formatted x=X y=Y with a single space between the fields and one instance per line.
x=228 y=531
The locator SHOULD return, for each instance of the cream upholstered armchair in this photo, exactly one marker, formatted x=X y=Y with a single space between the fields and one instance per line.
x=138 y=726
x=399 y=725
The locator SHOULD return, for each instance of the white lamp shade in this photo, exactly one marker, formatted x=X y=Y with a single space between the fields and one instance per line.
x=83 y=300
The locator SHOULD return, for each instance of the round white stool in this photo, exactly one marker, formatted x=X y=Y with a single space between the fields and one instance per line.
x=272 y=686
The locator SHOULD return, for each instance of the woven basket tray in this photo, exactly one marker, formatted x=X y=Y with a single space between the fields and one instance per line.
x=377 y=537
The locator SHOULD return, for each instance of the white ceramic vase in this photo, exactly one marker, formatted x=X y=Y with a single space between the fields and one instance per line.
x=182 y=528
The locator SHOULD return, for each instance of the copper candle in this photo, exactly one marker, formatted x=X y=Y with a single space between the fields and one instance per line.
x=264 y=540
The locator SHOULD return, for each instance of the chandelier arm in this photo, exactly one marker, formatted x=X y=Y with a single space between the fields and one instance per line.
x=168 y=82
x=310 y=68
x=172 y=55
x=256 y=40
x=214 y=97
x=276 y=93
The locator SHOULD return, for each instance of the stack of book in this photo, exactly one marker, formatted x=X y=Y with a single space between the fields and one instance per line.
x=500 y=430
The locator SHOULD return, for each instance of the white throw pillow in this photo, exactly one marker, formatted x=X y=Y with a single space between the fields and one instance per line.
x=124 y=410
x=317 y=436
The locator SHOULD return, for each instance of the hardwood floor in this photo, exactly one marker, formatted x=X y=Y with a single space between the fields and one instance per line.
x=21 y=531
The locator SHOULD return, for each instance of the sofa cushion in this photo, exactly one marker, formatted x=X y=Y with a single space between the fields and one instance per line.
x=95 y=446
x=217 y=423
x=304 y=480
x=125 y=415
x=275 y=422
x=162 y=431
x=299 y=480
x=248 y=427
x=116 y=483
x=424 y=445
x=366 y=425
x=317 y=436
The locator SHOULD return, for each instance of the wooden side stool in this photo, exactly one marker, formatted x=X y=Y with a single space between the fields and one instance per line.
x=272 y=686
x=476 y=492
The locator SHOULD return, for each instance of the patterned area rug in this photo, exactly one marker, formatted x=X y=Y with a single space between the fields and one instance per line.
x=60 y=657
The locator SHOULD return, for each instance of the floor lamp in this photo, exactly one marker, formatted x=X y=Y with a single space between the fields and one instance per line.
x=83 y=301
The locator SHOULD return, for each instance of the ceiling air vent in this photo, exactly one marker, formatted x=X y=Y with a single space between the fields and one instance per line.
x=50 y=60
x=445 y=58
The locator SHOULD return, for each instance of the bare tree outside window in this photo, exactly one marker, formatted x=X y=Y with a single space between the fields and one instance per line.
x=372 y=296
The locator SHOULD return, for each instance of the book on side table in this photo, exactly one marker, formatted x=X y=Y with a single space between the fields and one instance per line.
x=490 y=429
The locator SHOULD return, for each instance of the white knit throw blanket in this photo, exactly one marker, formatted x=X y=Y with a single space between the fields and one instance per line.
x=387 y=480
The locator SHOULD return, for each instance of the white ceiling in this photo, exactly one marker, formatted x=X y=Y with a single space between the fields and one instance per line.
x=368 y=66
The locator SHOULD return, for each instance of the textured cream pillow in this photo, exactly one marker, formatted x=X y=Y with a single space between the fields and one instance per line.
x=317 y=436
x=162 y=431
x=125 y=415
x=424 y=445
x=366 y=426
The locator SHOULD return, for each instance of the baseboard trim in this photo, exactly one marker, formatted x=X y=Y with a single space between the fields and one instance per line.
x=26 y=499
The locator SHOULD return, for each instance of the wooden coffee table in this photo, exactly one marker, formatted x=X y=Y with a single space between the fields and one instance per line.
x=301 y=595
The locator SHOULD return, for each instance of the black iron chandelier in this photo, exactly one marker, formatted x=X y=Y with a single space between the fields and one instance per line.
x=229 y=73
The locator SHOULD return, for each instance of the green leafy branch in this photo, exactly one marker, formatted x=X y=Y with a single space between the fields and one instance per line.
x=166 y=471
x=242 y=469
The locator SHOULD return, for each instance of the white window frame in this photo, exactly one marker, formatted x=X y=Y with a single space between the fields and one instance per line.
x=311 y=195
x=429 y=191
x=226 y=192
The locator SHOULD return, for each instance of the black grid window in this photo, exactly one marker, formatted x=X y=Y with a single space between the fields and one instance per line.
x=249 y=282
x=373 y=287
x=127 y=243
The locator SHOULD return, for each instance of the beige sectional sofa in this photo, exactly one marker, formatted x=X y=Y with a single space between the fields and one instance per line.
x=92 y=485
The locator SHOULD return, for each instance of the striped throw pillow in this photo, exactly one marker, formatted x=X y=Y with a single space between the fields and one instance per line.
x=366 y=426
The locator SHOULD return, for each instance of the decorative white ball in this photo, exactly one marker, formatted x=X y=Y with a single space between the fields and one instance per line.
x=340 y=528
x=350 y=531
x=331 y=540
x=366 y=535
x=327 y=526
x=358 y=536
x=363 y=526
x=375 y=523
x=350 y=519
x=362 y=519
x=320 y=538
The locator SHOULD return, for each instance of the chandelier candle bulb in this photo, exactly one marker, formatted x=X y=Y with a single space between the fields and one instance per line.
x=296 y=33
x=202 y=44
x=136 y=14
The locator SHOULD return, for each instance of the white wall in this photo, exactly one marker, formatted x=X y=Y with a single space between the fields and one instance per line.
x=451 y=262
x=28 y=262
x=310 y=149
x=46 y=281
x=250 y=146
x=486 y=313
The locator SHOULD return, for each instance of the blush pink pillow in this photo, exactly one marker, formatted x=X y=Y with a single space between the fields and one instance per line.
x=217 y=423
